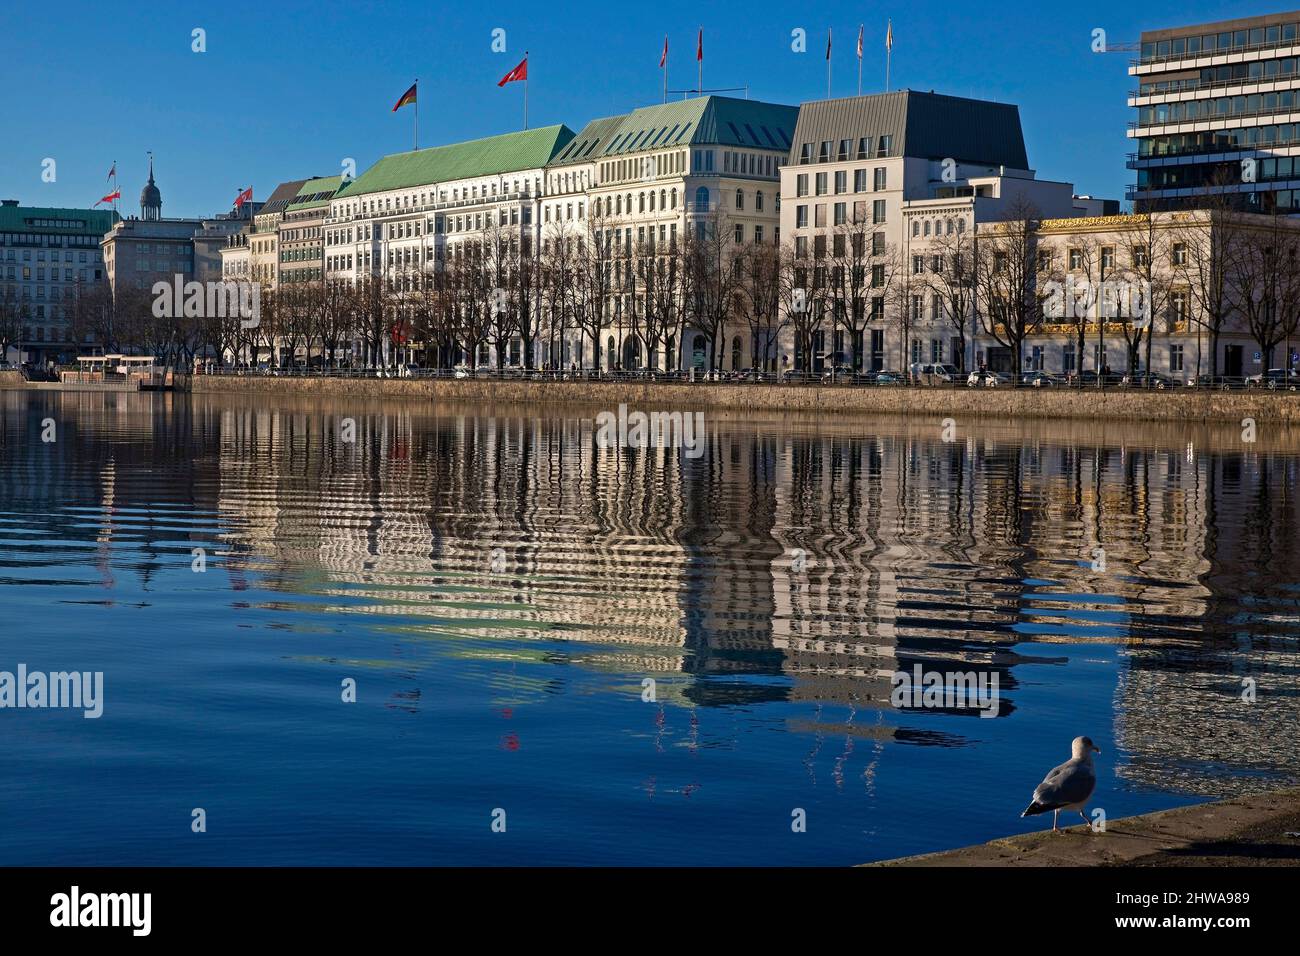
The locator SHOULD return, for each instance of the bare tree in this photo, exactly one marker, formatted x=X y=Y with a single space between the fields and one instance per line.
x=1007 y=284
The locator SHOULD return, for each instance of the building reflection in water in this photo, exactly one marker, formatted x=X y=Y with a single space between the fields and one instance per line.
x=795 y=560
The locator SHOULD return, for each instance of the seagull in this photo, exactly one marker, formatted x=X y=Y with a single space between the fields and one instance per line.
x=1068 y=786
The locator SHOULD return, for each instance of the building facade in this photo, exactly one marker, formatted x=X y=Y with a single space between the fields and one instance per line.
x=49 y=258
x=1218 y=115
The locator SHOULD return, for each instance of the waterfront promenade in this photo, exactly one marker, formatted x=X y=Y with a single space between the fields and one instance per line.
x=1114 y=403
x=1256 y=830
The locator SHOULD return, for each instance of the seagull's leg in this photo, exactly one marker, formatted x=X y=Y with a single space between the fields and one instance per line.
x=1086 y=820
x=1054 y=815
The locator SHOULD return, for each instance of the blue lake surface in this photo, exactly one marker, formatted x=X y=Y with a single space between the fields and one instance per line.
x=501 y=588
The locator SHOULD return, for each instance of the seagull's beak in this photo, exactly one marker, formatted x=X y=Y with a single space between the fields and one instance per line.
x=1096 y=748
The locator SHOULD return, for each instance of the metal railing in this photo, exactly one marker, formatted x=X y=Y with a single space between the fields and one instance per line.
x=1273 y=381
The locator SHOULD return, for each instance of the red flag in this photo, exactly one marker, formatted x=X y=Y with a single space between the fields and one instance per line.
x=115 y=194
x=113 y=172
x=699 y=46
x=664 y=56
x=405 y=98
x=518 y=73
x=245 y=196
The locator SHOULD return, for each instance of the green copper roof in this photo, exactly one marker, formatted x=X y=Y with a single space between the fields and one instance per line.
x=49 y=220
x=509 y=152
x=705 y=120
x=316 y=192
x=590 y=143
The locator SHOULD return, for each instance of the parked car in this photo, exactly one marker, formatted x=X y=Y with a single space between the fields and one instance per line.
x=888 y=377
x=1274 y=378
x=1149 y=380
x=1221 y=382
x=1089 y=378
x=934 y=371
x=1040 y=379
x=838 y=373
x=987 y=378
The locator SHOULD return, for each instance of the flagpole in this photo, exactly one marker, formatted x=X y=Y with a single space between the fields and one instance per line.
x=889 y=50
x=828 y=64
x=526 y=71
x=664 y=69
x=416 y=137
x=859 y=59
x=700 y=61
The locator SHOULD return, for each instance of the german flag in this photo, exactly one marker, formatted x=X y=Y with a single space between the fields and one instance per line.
x=407 y=97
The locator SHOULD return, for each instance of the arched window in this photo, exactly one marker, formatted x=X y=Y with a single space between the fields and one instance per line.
x=735 y=354
x=740 y=198
x=640 y=203
x=618 y=204
x=758 y=200
x=702 y=199
x=674 y=205
x=597 y=206
x=652 y=200
x=663 y=199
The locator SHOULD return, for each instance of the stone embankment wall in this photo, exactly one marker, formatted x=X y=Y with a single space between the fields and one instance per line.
x=958 y=402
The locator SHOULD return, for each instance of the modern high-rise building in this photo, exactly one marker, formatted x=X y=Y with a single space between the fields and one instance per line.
x=1218 y=114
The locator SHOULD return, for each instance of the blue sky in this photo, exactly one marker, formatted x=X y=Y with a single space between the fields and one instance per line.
x=287 y=90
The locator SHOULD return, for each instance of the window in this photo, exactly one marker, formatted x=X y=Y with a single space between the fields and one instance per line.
x=864 y=147
x=843 y=154
x=877 y=243
x=801 y=184
x=1076 y=259
x=841 y=181
x=878 y=211
x=801 y=217
x=1108 y=257
x=885 y=146
x=880 y=178
x=859 y=180
x=821 y=184
x=918 y=265
x=740 y=199
x=1180 y=254
x=841 y=213
x=758 y=201
x=824 y=154
x=740 y=233
x=1176 y=358
x=1139 y=257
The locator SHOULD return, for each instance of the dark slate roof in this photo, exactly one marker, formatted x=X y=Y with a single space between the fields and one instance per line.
x=923 y=125
x=283 y=194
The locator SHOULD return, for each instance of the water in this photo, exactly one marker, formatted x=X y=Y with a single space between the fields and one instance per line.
x=499 y=588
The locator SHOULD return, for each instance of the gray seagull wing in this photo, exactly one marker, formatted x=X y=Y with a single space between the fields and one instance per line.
x=1071 y=782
